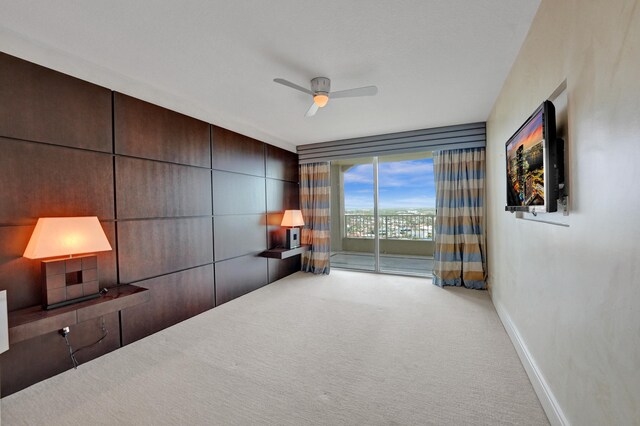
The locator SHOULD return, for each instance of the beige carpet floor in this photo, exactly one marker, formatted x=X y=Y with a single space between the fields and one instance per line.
x=345 y=349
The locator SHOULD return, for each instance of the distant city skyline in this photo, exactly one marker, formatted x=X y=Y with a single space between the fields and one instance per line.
x=401 y=185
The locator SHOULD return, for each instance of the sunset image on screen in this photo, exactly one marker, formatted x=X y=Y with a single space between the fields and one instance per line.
x=525 y=165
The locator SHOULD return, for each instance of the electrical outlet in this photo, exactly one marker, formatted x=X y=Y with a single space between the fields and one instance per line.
x=64 y=331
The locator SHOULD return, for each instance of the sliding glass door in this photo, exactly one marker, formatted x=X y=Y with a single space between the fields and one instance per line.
x=383 y=212
x=353 y=205
x=406 y=213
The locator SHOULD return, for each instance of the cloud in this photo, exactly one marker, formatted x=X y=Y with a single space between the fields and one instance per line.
x=402 y=185
x=406 y=173
x=408 y=203
x=362 y=173
x=408 y=167
x=400 y=173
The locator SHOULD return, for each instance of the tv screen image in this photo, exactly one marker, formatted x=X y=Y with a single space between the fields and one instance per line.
x=525 y=162
x=532 y=181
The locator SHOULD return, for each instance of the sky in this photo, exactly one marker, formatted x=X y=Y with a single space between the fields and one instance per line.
x=401 y=185
x=530 y=135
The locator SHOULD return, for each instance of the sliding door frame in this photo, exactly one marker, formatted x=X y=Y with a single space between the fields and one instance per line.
x=375 y=161
x=376 y=221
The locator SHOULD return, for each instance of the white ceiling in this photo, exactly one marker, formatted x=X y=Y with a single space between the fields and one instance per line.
x=435 y=62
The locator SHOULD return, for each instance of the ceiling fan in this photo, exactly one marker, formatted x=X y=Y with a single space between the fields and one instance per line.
x=321 y=92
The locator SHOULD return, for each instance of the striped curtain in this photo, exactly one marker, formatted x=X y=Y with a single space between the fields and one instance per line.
x=460 y=254
x=315 y=192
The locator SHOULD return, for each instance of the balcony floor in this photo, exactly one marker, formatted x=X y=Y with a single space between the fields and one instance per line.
x=391 y=263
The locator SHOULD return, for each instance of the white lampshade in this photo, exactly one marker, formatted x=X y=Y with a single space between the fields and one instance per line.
x=64 y=236
x=292 y=218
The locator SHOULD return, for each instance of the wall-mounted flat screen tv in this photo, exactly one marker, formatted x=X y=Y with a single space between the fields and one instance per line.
x=532 y=163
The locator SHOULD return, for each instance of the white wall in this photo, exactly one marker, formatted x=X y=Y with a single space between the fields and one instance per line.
x=572 y=294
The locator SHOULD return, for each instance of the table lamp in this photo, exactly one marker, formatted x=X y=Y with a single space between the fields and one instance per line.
x=70 y=271
x=292 y=219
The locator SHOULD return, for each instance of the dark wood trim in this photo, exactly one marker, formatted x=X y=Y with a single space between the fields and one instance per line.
x=283 y=253
x=32 y=322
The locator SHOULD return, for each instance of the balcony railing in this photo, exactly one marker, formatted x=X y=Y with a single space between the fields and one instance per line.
x=392 y=227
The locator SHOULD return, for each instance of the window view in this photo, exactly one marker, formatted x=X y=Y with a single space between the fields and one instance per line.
x=405 y=214
x=406 y=200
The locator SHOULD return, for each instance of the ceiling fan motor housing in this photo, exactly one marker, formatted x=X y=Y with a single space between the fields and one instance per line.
x=321 y=85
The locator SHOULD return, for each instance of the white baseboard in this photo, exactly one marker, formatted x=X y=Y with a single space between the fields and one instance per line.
x=547 y=399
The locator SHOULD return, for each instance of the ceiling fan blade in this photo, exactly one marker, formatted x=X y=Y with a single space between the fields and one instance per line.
x=352 y=93
x=293 y=85
x=312 y=110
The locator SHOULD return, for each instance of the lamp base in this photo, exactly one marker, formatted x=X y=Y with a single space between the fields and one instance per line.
x=69 y=280
x=292 y=239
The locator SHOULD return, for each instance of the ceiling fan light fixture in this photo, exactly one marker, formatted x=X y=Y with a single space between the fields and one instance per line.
x=321 y=99
x=321 y=92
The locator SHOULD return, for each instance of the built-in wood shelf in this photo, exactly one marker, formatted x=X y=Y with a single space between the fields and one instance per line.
x=35 y=321
x=283 y=253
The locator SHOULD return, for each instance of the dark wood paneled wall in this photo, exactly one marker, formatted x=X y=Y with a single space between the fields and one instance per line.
x=41 y=105
x=187 y=206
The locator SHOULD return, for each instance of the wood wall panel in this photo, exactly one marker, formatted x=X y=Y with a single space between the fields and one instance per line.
x=21 y=276
x=149 y=131
x=148 y=248
x=151 y=189
x=239 y=276
x=173 y=298
x=281 y=164
x=281 y=196
x=239 y=235
x=279 y=269
x=47 y=181
x=58 y=158
x=18 y=275
x=108 y=260
x=34 y=360
x=234 y=152
x=43 y=105
x=276 y=234
x=238 y=194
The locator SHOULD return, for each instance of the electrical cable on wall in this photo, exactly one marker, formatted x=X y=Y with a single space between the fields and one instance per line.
x=65 y=331
x=73 y=358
